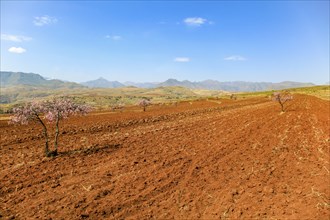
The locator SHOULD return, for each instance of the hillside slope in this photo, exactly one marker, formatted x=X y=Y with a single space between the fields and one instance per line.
x=206 y=159
x=18 y=78
x=10 y=79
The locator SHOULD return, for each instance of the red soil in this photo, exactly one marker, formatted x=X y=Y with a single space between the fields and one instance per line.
x=209 y=160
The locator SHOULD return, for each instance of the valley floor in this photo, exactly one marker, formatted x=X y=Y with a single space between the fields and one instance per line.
x=204 y=159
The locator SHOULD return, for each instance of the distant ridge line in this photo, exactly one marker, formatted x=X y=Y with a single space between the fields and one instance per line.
x=19 y=78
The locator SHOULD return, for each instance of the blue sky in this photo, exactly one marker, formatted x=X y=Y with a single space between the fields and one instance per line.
x=145 y=41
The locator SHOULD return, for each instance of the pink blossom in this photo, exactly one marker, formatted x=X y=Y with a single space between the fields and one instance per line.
x=51 y=111
x=282 y=98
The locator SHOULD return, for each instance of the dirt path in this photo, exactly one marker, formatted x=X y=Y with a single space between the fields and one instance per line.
x=236 y=159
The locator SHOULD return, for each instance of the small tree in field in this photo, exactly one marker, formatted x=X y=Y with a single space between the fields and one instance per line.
x=51 y=111
x=282 y=98
x=144 y=103
x=120 y=106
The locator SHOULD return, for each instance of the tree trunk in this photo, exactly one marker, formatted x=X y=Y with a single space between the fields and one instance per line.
x=45 y=135
x=56 y=132
x=282 y=106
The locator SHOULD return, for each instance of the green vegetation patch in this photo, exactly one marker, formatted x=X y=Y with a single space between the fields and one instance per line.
x=322 y=92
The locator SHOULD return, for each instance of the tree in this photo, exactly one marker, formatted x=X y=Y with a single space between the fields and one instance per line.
x=282 y=98
x=51 y=111
x=233 y=97
x=117 y=105
x=144 y=103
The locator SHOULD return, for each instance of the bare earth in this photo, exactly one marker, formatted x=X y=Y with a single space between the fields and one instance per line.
x=205 y=159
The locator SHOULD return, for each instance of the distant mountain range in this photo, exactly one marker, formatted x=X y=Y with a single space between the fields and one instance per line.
x=19 y=78
x=237 y=86
x=103 y=83
x=8 y=79
x=146 y=85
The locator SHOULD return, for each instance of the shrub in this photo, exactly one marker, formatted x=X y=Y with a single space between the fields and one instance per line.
x=233 y=97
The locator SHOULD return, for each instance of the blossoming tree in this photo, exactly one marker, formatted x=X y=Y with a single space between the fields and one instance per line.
x=144 y=103
x=282 y=98
x=51 y=111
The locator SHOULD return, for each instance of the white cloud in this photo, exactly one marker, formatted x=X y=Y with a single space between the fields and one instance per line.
x=17 y=50
x=114 y=37
x=44 y=20
x=195 y=22
x=182 y=59
x=235 y=58
x=15 y=38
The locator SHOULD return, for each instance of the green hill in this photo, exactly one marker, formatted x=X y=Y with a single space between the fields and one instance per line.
x=9 y=79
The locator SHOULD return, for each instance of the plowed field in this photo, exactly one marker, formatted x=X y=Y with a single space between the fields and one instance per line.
x=205 y=159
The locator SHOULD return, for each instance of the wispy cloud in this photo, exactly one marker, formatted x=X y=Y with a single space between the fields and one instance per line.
x=44 y=20
x=15 y=38
x=114 y=37
x=235 y=58
x=16 y=50
x=195 y=21
x=182 y=59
